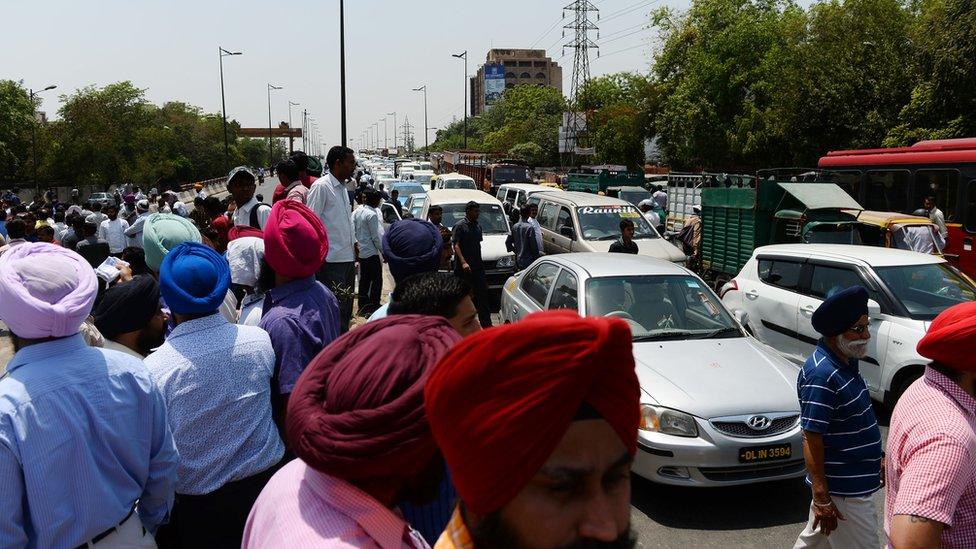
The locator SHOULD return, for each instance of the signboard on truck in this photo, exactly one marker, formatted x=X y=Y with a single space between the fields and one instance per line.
x=494 y=83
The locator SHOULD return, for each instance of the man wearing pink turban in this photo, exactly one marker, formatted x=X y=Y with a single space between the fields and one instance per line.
x=361 y=449
x=300 y=313
x=86 y=453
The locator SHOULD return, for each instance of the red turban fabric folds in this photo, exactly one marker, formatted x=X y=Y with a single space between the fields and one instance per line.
x=295 y=242
x=951 y=339
x=501 y=400
x=240 y=231
x=357 y=411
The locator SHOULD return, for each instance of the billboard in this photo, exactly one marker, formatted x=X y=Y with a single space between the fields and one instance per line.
x=494 y=83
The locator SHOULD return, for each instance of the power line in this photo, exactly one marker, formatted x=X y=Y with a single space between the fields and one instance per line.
x=642 y=25
x=546 y=33
x=602 y=42
x=623 y=50
x=627 y=10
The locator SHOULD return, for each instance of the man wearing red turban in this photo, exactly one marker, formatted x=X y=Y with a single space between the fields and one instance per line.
x=931 y=463
x=538 y=424
x=300 y=314
x=357 y=423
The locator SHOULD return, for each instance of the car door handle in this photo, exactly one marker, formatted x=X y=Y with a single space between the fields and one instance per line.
x=514 y=313
x=807 y=309
x=752 y=294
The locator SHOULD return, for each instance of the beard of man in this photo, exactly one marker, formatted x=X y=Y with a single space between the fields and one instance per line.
x=148 y=340
x=492 y=533
x=854 y=349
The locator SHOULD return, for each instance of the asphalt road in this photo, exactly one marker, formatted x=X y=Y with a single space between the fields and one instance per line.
x=769 y=515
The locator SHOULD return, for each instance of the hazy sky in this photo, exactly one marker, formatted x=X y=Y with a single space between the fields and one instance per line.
x=170 y=49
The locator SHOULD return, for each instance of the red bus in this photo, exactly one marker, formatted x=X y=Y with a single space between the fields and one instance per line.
x=898 y=180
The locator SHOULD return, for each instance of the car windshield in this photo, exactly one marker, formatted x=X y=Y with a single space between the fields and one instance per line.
x=459 y=184
x=661 y=307
x=511 y=174
x=634 y=197
x=407 y=189
x=491 y=218
x=603 y=222
x=926 y=290
x=829 y=233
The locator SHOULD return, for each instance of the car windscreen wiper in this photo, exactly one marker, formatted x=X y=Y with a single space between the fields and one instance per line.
x=720 y=331
x=662 y=336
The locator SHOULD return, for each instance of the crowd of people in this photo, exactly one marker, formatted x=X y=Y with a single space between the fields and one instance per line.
x=191 y=379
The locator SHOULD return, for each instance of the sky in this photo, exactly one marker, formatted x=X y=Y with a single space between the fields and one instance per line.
x=170 y=49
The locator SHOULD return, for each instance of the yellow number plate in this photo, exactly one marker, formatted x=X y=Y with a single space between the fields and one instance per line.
x=759 y=454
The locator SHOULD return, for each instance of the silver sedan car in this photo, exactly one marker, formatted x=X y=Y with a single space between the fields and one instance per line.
x=718 y=407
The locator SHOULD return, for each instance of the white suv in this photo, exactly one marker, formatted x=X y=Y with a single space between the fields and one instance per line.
x=778 y=289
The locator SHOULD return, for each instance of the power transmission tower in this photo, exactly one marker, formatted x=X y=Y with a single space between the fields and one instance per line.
x=575 y=134
x=407 y=135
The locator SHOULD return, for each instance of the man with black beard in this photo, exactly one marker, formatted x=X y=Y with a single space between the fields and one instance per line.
x=130 y=317
x=538 y=424
x=841 y=439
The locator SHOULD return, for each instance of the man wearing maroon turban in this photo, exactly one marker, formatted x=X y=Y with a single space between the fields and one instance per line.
x=300 y=314
x=931 y=498
x=538 y=424
x=357 y=423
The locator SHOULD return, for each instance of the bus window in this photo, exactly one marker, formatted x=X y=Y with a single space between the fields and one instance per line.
x=944 y=185
x=970 y=202
x=887 y=191
x=850 y=182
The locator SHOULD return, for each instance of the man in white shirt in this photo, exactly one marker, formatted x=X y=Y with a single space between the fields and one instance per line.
x=241 y=184
x=660 y=197
x=176 y=205
x=367 y=223
x=134 y=232
x=112 y=230
x=936 y=216
x=330 y=202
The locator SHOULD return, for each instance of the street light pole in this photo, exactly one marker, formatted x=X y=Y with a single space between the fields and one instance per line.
x=342 y=67
x=426 y=144
x=291 y=140
x=270 y=147
x=305 y=131
x=394 y=131
x=37 y=188
x=386 y=144
x=464 y=56
x=223 y=104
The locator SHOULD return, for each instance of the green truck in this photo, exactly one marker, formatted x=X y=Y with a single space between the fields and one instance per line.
x=595 y=179
x=736 y=220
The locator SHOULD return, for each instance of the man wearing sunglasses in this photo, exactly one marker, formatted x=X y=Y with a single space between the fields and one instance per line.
x=841 y=440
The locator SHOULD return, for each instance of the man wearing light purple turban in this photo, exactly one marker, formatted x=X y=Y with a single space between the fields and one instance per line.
x=86 y=453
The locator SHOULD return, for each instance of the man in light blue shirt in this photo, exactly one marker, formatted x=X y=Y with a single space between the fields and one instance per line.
x=86 y=454
x=366 y=221
x=216 y=380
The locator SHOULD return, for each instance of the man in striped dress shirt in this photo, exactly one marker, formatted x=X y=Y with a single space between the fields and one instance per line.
x=841 y=439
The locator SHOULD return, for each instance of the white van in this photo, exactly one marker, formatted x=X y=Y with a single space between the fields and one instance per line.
x=517 y=194
x=499 y=262
x=455 y=180
x=583 y=222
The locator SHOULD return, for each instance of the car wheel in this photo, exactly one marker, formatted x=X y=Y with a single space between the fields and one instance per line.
x=903 y=380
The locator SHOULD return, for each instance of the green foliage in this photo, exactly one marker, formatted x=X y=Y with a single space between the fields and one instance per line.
x=530 y=153
x=619 y=108
x=16 y=119
x=525 y=114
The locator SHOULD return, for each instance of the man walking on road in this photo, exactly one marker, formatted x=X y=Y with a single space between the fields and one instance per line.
x=290 y=185
x=83 y=430
x=625 y=244
x=467 y=237
x=410 y=247
x=130 y=317
x=112 y=230
x=936 y=216
x=330 y=202
x=366 y=220
x=522 y=240
x=841 y=438
x=931 y=499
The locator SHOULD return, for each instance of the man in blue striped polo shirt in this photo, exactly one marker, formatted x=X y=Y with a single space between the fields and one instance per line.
x=841 y=439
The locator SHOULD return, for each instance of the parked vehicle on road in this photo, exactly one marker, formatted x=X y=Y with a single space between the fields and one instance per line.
x=517 y=194
x=415 y=203
x=455 y=181
x=406 y=188
x=595 y=179
x=718 y=407
x=499 y=262
x=105 y=199
x=779 y=288
x=584 y=222
x=631 y=194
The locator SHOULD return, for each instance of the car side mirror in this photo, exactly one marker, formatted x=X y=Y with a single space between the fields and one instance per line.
x=568 y=232
x=874 y=309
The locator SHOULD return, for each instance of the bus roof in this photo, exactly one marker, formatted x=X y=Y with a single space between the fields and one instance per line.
x=935 y=151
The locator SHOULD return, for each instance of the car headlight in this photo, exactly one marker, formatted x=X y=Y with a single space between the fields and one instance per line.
x=667 y=421
x=506 y=262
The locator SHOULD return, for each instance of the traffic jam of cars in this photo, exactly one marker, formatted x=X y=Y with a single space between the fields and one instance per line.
x=719 y=296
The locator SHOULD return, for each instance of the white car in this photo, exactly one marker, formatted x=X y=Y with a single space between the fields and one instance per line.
x=718 y=407
x=779 y=288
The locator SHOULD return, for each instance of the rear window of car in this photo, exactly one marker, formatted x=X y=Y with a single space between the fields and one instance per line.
x=780 y=273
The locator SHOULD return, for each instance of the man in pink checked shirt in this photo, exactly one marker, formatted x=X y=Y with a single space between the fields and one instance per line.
x=931 y=466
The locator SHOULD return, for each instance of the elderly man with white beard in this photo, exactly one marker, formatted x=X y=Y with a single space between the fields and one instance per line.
x=841 y=440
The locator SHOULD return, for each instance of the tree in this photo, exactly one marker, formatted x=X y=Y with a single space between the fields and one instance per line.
x=530 y=153
x=528 y=114
x=943 y=102
x=619 y=116
x=16 y=119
